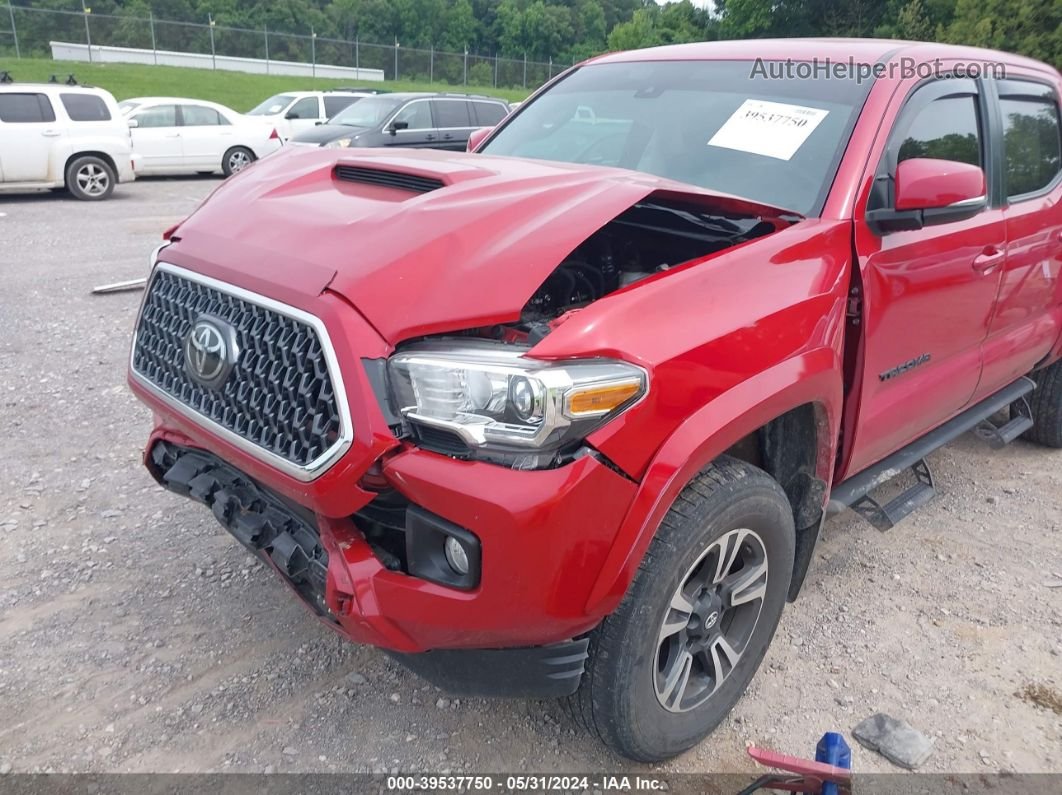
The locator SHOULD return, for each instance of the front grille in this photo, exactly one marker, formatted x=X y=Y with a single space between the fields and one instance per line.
x=388 y=179
x=280 y=395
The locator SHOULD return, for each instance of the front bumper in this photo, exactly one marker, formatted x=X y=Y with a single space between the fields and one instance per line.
x=544 y=536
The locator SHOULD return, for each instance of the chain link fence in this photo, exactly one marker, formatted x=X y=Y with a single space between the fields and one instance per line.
x=26 y=33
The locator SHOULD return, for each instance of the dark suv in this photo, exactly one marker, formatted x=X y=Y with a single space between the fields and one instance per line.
x=420 y=120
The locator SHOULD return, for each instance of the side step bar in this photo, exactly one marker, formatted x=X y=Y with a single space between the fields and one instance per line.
x=854 y=492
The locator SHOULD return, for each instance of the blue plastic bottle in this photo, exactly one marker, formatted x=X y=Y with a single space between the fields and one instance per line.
x=833 y=750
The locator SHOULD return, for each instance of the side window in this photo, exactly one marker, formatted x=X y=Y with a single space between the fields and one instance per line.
x=305 y=108
x=158 y=116
x=25 y=108
x=335 y=104
x=85 y=107
x=451 y=113
x=488 y=113
x=417 y=114
x=1031 y=139
x=200 y=116
x=946 y=129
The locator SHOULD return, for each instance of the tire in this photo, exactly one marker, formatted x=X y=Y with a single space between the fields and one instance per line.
x=236 y=159
x=1046 y=405
x=625 y=697
x=90 y=178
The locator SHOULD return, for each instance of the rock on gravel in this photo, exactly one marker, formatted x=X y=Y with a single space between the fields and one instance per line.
x=896 y=740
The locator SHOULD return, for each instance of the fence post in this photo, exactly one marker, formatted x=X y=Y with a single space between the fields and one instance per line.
x=396 y=59
x=154 y=48
x=14 y=31
x=551 y=67
x=466 y=66
x=357 y=55
x=85 y=11
x=525 y=70
x=213 y=57
x=431 y=66
x=313 y=53
x=265 y=33
x=495 y=68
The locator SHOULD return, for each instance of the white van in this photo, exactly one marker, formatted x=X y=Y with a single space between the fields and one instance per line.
x=61 y=136
x=293 y=112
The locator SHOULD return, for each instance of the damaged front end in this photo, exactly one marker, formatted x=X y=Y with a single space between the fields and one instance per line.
x=481 y=393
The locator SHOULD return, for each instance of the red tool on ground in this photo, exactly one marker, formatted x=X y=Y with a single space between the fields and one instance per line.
x=820 y=777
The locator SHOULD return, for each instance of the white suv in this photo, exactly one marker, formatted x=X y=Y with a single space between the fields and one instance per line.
x=293 y=112
x=56 y=136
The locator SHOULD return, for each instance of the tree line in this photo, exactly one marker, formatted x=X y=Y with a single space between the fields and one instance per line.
x=570 y=30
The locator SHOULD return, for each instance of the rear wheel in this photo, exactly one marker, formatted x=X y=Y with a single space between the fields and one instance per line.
x=236 y=159
x=1046 y=404
x=678 y=653
x=90 y=178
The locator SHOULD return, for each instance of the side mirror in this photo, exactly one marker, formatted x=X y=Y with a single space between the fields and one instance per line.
x=395 y=126
x=929 y=191
x=133 y=123
x=477 y=137
x=291 y=115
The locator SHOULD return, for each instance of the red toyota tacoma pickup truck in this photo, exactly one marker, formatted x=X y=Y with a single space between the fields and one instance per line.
x=563 y=416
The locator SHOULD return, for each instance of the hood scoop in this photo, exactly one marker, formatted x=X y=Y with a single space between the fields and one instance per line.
x=384 y=178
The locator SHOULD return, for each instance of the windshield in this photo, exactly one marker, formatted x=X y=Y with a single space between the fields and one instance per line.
x=720 y=125
x=271 y=106
x=367 y=112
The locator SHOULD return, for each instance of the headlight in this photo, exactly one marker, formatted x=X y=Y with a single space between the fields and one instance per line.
x=493 y=396
x=338 y=143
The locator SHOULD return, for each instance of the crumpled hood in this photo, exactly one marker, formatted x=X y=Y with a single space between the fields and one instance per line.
x=469 y=253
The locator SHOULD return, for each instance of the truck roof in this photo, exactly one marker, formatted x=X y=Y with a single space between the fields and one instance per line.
x=833 y=49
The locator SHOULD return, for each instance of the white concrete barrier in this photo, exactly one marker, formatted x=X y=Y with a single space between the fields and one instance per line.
x=66 y=51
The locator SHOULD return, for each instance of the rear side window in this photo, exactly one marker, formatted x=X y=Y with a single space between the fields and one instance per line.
x=200 y=116
x=451 y=113
x=488 y=113
x=946 y=129
x=335 y=104
x=1032 y=143
x=158 y=116
x=25 y=108
x=85 y=107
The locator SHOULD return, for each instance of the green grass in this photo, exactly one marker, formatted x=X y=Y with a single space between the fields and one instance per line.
x=239 y=91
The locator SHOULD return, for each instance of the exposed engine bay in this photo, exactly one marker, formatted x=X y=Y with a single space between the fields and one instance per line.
x=651 y=237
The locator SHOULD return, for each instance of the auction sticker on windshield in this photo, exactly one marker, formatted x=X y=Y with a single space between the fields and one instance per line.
x=766 y=128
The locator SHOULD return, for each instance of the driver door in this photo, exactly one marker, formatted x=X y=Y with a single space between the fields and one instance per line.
x=928 y=294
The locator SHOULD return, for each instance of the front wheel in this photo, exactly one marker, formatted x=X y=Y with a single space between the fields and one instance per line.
x=236 y=159
x=90 y=178
x=678 y=653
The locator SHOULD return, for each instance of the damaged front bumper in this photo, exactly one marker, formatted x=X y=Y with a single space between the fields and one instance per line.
x=544 y=537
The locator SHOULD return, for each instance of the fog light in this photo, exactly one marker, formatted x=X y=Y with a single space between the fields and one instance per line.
x=456 y=555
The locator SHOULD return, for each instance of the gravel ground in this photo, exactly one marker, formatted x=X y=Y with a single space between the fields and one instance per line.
x=136 y=635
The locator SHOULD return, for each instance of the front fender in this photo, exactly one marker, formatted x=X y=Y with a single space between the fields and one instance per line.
x=814 y=377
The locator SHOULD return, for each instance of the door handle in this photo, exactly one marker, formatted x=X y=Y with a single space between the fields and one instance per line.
x=988 y=259
x=448 y=137
x=429 y=137
x=50 y=133
x=173 y=135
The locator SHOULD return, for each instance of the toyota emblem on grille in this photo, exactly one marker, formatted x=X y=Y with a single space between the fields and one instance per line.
x=210 y=351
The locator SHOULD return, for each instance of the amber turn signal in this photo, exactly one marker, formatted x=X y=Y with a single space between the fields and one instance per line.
x=601 y=399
